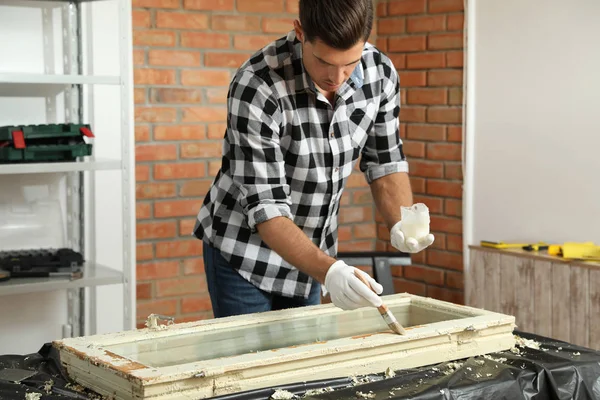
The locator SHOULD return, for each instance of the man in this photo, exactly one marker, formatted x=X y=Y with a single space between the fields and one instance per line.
x=300 y=113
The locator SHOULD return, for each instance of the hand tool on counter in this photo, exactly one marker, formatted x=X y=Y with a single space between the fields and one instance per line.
x=385 y=312
x=588 y=251
x=536 y=247
x=525 y=246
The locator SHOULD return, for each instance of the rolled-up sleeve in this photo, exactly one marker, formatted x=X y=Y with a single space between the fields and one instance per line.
x=257 y=165
x=383 y=154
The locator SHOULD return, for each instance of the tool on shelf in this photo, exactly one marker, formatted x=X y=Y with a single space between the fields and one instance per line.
x=536 y=247
x=385 y=312
x=588 y=251
x=40 y=263
x=525 y=246
x=44 y=143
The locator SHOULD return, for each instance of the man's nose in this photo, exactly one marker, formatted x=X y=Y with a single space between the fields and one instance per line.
x=337 y=75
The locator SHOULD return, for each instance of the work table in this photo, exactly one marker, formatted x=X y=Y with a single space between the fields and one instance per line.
x=556 y=369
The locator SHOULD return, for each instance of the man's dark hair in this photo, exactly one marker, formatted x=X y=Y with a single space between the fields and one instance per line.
x=340 y=24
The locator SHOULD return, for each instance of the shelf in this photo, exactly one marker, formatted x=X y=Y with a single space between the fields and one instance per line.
x=39 y=168
x=58 y=79
x=93 y=275
x=65 y=1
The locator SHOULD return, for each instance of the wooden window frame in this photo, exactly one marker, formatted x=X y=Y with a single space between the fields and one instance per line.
x=90 y=362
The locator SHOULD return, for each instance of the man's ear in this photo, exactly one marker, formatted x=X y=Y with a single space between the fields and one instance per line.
x=299 y=32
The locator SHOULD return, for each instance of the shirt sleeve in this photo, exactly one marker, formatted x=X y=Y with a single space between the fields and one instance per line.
x=382 y=154
x=257 y=165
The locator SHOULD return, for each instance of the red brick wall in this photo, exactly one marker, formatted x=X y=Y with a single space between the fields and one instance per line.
x=425 y=40
x=185 y=52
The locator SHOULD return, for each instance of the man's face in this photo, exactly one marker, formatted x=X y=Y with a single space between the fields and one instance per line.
x=329 y=68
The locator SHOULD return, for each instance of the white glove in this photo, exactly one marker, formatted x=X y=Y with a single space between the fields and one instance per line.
x=347 y=291
x=408 y=244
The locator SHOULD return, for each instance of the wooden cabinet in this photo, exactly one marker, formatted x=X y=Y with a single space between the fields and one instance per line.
x=548 y=295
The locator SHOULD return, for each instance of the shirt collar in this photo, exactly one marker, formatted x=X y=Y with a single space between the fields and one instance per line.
x=303 y=80
x=358 y=75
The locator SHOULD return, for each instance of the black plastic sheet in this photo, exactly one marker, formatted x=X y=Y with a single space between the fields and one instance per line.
x=557 y=371
x=50 y=380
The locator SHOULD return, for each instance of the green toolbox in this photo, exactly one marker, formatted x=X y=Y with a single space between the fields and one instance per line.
x=44 y=143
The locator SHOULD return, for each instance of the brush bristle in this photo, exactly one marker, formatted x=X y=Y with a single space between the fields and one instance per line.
x=396 y=327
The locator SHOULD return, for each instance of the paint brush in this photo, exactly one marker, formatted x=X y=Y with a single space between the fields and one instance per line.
x=385 y=312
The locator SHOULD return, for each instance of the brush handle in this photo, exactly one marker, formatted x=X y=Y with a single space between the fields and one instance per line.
x=382 y=308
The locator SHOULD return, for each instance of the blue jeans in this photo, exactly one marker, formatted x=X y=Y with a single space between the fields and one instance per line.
x=231 y=294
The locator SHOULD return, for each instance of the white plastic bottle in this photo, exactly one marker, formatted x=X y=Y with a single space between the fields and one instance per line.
x=415 y=221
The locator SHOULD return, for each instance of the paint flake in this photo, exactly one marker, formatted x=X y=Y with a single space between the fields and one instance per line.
x=314 y=392
x=152 y=321
x=452 y=367
x=282 y=395
x=369 y=395
x=33 y=396
x=522 y=342
x=48 y=386
x=359 y=381
x=76 y=387
x=499 y=360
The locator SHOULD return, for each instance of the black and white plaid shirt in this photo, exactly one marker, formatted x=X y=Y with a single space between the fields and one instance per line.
x=288 y=152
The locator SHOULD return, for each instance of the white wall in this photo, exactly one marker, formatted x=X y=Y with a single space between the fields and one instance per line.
x=533 y=121
x=31 y=42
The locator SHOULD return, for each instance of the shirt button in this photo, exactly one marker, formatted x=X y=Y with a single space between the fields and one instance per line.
x=332 y=135
x=336 y=169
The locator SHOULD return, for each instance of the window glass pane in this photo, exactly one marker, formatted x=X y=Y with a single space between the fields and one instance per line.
x=187 y=348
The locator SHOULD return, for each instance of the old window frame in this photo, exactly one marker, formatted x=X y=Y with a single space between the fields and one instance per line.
x=91 y=361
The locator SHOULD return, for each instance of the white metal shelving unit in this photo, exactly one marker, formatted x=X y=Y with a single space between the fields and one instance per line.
x=72 y=79
x=46 y=168
x=94 y=275
x=70 y=97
